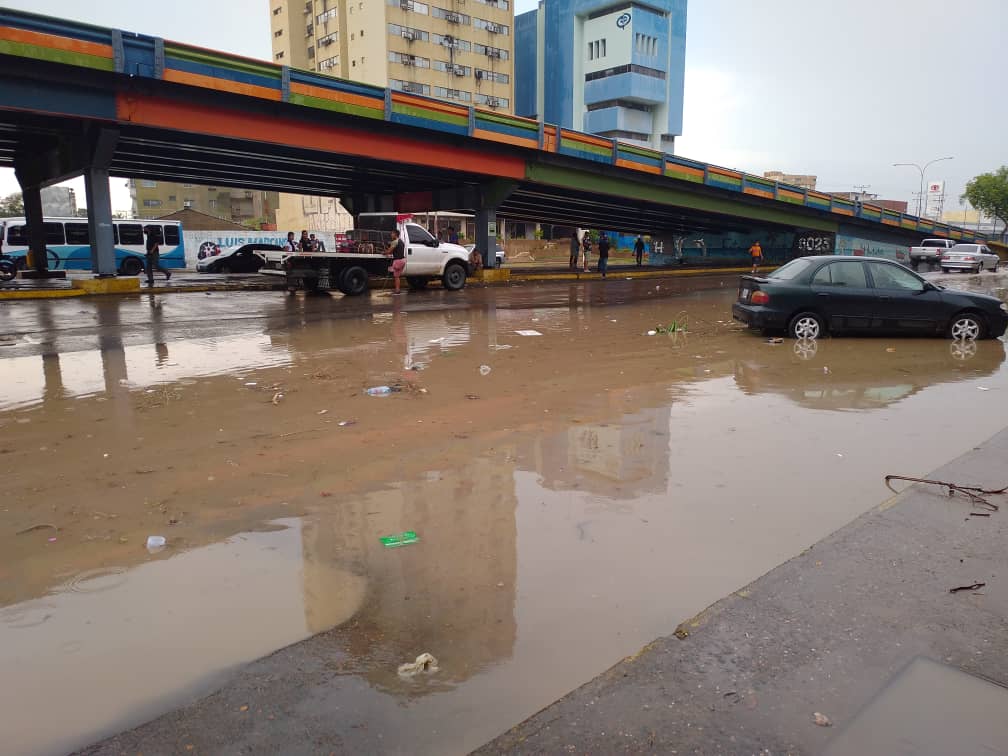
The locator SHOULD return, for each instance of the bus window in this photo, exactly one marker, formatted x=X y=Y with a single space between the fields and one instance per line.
x=171 y=235
x=17 y=236
x=77 y=233
x=115 y=233
x=54 y=233
x=131 y=233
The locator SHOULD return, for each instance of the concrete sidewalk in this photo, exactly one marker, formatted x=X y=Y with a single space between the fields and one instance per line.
x=861 y=628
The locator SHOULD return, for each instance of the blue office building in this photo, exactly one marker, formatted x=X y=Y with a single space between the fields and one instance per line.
x=608 y=67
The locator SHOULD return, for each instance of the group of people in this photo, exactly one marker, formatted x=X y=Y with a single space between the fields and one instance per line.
x=580 y=252
x=307 y=243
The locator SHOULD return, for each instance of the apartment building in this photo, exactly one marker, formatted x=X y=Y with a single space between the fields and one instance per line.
x=802 y=180
x=458 y=50
x=249 y=207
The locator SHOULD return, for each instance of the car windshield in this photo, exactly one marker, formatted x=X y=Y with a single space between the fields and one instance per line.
x=792 y=270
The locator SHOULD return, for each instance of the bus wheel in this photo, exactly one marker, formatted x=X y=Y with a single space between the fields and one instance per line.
x=131 y=266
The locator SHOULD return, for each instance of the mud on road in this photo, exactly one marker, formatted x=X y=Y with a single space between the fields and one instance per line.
x=591 y=491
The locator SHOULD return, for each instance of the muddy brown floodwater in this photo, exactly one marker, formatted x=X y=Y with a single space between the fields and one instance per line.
x=596 y=488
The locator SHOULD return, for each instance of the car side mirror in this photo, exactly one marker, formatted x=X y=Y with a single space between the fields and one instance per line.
x=928 y=286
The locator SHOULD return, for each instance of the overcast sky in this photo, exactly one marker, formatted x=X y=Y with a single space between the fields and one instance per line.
x=841 y=90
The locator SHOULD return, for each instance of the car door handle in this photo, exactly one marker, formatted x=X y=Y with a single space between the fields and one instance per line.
x=823 y=293
x=409 y=251
x=885 y=299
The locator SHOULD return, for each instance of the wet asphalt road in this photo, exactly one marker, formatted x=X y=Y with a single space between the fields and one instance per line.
x=597 y=487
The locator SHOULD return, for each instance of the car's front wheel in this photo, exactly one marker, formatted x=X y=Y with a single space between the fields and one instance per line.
x=806 y=325
x=966 y=326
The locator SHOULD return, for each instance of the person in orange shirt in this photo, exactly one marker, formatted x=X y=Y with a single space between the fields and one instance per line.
x=756 y=252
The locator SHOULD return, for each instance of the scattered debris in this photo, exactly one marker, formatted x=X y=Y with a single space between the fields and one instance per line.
x=33 y=528
x=822 y=720
x=424 y=663
x=775 y=340
x=979 y=514
x=982 y=388
x=251 y=383
x=52 y=540
x=277 y=397
x=528 y=332
x=345 y=423
x=973 y=493
x=322 y=412
x=400 y=539
x=474 y=397
x=485 y=369
x=156 y=543
x=890 y=349
x=652 y=333
x=973 y=587
x=382 y=390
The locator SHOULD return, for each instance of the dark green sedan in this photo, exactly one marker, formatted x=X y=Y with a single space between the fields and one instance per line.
x=814 y=296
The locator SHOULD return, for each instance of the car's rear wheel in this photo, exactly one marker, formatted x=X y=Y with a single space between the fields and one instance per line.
x=806 y=325
x=967 y=326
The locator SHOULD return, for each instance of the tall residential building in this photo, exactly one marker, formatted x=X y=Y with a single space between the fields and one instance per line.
x=459 y=50
x=249 y=207
x=608 y=67
x=795 y=179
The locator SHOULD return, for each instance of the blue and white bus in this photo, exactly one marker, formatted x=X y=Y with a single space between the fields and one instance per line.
x=68 y=244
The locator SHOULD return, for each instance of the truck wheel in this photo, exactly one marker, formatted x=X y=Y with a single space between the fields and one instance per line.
x=417 y=283
x=454 y=277
x=354 y=280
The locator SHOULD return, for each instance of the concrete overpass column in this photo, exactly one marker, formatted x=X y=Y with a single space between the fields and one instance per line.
x=99 y=203
x=486 y=236
x=32 y=198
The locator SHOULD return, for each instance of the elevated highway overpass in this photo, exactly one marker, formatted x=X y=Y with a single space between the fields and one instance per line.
x=78 y=99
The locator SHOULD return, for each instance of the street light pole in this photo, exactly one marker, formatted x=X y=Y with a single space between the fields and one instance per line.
x=920 y=197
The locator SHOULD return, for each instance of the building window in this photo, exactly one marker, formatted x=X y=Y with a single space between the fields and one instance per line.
x=311 y=52
x=152 y=203
x=452 y=17
x=213 y=204
x=407 y=5
x=617 y=70
x=491 y=101
x=188 y=203
x=502 y=4
x=172 y=198
x=448 y=40
x=328 y=63
x=490 y=52
x=147 y=184
x=452 y=94
x=484 y=75
x=321 y=18
x=407 y=59
x=328 y=39
x=409 y=86
x=309 y=30
x=408 y=33
x=453 y=68
x=491 y=26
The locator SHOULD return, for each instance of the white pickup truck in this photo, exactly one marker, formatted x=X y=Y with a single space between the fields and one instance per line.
x=360 y=256
x=929 y=251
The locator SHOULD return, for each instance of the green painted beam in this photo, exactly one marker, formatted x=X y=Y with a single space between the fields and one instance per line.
x=614 y=186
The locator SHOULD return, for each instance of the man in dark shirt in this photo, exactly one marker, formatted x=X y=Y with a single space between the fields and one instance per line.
x=638 y=249
x=397 y=251
x=305 y=243
x=603 y=254
x=154 y=256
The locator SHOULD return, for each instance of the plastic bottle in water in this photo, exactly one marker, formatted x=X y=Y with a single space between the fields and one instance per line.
x=379 y=390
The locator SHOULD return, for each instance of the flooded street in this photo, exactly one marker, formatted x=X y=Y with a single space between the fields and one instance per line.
x=593 y=489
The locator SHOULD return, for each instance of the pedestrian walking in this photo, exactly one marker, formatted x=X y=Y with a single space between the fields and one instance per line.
x=603 y=254
x=756 y=253
x=638 y=249
x=154 y=256
x=397 y=251
x=586 y=243
x=575 y=250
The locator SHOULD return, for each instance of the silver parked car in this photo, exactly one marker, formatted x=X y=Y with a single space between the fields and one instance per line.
x=968 y=257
